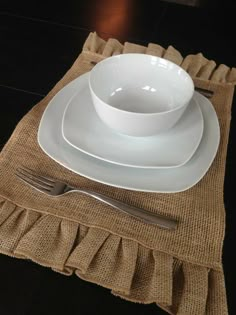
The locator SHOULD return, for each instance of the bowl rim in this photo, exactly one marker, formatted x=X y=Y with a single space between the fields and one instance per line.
x=145 y=56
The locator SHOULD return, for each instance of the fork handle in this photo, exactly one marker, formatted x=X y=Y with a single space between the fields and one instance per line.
x=147 y=217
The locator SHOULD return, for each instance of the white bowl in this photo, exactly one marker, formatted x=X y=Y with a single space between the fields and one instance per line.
x=139 y=95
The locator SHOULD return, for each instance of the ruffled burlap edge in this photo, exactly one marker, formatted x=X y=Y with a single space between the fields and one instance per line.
x=196 y=65
x=129 y=269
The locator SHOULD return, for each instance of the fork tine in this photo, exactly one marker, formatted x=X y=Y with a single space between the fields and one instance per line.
x=38 y=178
x=33 y=183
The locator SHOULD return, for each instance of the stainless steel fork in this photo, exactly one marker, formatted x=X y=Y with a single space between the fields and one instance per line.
x=55 y=188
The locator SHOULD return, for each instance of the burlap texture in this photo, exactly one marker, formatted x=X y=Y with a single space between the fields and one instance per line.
x=179 y=270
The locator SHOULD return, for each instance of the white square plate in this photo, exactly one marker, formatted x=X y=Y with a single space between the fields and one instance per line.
x=83 y=129
x=152 y=180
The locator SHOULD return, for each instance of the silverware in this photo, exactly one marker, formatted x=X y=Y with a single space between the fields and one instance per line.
x=55 y=188
x=207 y=93
x=204 y=92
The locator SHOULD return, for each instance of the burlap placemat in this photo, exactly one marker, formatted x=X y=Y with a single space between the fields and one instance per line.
x=179 y=270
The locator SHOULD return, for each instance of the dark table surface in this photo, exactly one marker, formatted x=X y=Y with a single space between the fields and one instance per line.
x=39 y=42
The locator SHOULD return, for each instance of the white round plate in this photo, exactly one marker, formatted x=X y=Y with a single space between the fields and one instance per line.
x=84 y=130
x=140 y=179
